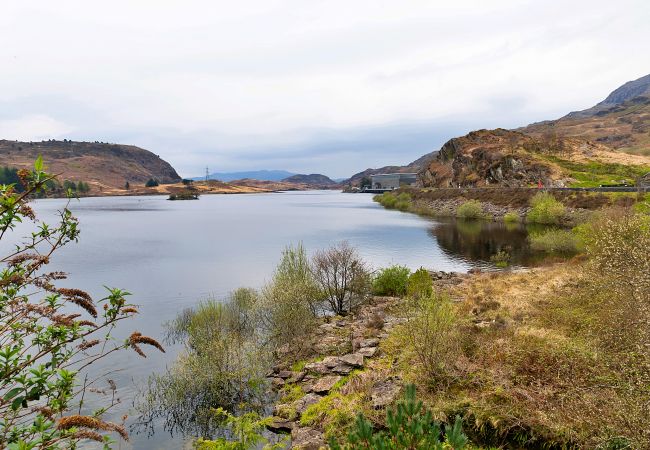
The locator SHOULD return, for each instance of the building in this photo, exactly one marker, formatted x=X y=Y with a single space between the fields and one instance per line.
x=391 y=181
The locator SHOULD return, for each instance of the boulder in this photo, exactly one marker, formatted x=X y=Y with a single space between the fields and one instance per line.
x=385 y=392
x=352 y=359
x=280 y=425
x=307 y=438
x=302 y=404
x=326 y=383
x=368 y=352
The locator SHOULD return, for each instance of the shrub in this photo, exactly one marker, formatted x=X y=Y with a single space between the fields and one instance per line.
x=419 y=284
x=245 y=432
x=471 y=209
x=511 y=217
x=151 y=182
x=554 y=241
x=292 y=301
x=342 y=277
x=545 y=209
x=51 y=335
x=408 y=426
x=391 y=281
x=430 y=333
x=501 y=258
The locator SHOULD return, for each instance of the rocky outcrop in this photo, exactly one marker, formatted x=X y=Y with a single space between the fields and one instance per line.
x=486 y=157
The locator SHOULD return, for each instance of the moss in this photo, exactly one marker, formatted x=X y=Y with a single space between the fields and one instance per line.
x=334 y=413
x=290 y=393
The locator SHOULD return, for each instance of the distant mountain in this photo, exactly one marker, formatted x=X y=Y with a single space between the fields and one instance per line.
x=314 y=179
x=262 y=175
x=621 y=121
x=99 y=164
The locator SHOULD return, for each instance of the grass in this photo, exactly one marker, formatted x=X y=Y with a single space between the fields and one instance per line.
x=511 y=217
x=595 y=173
x=554 y=241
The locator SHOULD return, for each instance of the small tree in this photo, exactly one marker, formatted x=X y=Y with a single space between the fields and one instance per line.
x=151 y=183
x=50 y=335
x=408 y=426
x=342 y=277
x=127 y=186
x=391 y=281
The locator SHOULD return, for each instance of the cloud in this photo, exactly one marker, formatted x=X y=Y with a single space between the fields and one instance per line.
x=33 y=127
x=334 y=85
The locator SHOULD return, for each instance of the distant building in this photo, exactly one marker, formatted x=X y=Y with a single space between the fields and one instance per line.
x=392 y=180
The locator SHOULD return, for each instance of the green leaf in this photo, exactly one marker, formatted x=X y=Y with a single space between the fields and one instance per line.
x=12 y=393
x=38 y=164
x=17 y=402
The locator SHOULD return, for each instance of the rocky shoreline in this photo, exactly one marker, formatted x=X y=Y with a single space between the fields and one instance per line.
x=345 y=346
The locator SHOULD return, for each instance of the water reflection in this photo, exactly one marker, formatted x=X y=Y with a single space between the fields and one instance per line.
x=477 y=241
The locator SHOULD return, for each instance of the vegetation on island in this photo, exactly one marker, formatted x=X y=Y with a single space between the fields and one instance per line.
x=52 y=335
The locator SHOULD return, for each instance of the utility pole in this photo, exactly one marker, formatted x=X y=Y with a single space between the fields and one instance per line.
x=207 y=174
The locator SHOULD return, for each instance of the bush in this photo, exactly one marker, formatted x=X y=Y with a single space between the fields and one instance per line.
x=342 y=277
x=554 y=241
x=511 y=217
x=430 y=333
x=151 y=183
x=471 y=209
x=389 y=200
x=546 y=209
x=391 y=281
x=408 y=426
x=501 y=258
x=419 y=284
x=292 y=301
x=51 y=335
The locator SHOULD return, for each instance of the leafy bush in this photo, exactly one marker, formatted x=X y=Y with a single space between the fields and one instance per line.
x=409 y=426
x=224 y=365
x=151 y=182
x=51 y=335
x=389 y=200
x=431 y=335
x=501 y=258
x=292 y=301
x=342 y=277
x=471 y=209
x=546 y=209
x=391 y=281
x=419 y=284
x=554 y=241
x=511 y=217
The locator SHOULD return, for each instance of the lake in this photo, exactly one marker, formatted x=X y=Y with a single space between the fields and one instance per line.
x=170 y=255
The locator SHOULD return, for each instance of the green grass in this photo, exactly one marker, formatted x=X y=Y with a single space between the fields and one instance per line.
x=595 y=173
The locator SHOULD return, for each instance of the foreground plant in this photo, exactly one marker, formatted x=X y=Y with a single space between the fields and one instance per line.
x=408 y=426
x=50 y=336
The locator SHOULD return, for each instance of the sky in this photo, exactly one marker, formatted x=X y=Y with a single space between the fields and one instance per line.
x=308 y=86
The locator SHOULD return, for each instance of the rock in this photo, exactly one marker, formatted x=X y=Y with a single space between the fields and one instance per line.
x=277 y=382
x=284 y=374
x=317 y=367
x=368 y=352
x=352 y=359
x=384 y=393
x=297 y=377
x=342 y=369
x=280 y=425
x=302 y=404
x=326 y=383
x=330 y=361
x=372 y=342
x=307 y=438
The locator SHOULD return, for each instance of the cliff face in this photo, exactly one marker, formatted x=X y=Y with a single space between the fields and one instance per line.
x=486 y=157
x=514 y=159
x=101 y=165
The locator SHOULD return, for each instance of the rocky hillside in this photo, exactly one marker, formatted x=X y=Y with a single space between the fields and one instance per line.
x=412 y=167
x=102 y=166
x=621 y=121
x=314 y=179
x=514 y=159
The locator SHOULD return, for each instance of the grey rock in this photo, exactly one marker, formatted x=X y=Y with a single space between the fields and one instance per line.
x=368 y=352
x=384 y=393
x=280 y=425
x=307 y=438
x=326 y=383
x=352 y=359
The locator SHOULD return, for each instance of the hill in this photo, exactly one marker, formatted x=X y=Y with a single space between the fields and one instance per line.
x=102 y=166
x=621 y=121
x=314 y=179
x=262 y=175
x=515 y=159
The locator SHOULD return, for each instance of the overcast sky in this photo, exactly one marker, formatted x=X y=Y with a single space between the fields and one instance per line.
x=309 y=86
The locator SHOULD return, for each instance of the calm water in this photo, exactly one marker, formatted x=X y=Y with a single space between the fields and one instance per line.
x=172 y=254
